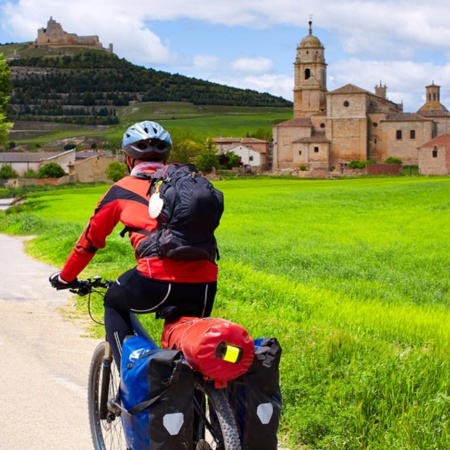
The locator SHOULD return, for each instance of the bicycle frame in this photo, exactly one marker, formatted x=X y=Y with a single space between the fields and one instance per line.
x=105 y=409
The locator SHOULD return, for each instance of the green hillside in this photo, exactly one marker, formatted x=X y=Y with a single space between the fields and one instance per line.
x=86 y=86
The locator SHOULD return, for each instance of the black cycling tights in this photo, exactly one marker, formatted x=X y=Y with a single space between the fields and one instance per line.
x=134 y=292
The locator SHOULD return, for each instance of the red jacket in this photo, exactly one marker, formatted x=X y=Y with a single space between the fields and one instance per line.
x=127 y=202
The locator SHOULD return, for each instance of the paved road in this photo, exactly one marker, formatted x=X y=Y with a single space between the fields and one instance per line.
x=44 y=359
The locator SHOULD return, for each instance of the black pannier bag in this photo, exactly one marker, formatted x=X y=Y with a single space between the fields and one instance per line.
x=255 y=398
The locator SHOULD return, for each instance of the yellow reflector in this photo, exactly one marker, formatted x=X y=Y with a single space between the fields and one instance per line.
x=232 y=353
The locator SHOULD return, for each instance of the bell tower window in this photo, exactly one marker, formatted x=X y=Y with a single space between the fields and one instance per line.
x=307 y=74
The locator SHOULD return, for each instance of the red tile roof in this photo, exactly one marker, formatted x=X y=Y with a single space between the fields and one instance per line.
x=441 y=141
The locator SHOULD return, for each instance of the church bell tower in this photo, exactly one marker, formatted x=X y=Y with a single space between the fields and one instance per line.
x=310 y=75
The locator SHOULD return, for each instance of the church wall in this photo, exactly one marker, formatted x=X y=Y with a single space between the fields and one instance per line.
x=443 y=125
x=402 y=139
x=377 y=150
x=283 y=148
x=349 y=139
x=346 y=106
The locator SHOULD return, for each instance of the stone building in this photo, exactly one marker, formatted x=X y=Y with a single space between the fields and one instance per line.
x=55 y=36
x=330 y=129
x=434 y=156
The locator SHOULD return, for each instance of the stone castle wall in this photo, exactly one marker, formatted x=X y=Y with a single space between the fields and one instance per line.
x=54 y=36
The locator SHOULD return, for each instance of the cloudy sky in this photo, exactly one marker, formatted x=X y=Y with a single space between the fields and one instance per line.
x=252 y=43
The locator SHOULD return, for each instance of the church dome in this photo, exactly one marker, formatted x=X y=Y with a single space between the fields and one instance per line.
x=310 y=41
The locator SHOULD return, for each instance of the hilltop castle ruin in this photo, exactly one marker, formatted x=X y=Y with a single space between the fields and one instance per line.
x=55 y=36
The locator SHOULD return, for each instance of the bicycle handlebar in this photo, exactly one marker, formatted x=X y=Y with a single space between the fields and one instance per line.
x=85 y=287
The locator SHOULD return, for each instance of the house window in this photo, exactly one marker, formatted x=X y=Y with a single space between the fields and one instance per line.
x=412 y=134
x=399 y=134
x=316 y=149
x=435 y=152
x=250 y=158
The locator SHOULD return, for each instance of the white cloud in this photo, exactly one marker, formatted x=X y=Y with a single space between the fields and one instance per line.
x=252 y=65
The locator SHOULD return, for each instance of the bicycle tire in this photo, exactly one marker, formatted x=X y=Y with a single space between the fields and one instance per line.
x=107 y=434
x=217 y=424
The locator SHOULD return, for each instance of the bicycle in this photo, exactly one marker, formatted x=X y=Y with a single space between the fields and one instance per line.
x=215 y=426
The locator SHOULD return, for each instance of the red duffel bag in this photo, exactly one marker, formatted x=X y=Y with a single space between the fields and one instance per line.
x=219 y=349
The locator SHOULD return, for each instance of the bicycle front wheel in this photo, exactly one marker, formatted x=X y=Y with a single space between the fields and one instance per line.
x=104 y=419
x=215 y=427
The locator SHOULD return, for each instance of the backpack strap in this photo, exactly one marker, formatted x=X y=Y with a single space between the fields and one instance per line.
x=136 y=230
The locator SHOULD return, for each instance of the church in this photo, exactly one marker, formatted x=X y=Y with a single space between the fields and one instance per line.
x=330 y=129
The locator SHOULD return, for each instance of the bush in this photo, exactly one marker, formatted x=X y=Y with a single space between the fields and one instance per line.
x=392 y=160
x=356 y=164
x=7 y=172
x=30 y=173
x=116 y=171
x=51 y=170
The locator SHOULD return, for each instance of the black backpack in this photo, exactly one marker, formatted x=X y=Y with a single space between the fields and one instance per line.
x=188 y=209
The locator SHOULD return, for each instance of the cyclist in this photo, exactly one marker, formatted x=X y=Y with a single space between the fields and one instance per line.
x=170 y=288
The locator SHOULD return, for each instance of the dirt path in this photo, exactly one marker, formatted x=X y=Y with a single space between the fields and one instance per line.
x=45 y=359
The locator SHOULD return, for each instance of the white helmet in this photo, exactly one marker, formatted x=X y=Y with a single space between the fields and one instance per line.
x=147 y=141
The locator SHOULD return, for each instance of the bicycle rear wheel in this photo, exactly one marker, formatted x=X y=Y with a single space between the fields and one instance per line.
x=105 y=422
x=215 y=426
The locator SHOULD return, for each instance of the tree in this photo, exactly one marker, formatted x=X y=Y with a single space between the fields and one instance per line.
x=116 y=171
x=51 y=170
x=206 y=161
x=185 y=147
x=7 y=172
x=5 y=91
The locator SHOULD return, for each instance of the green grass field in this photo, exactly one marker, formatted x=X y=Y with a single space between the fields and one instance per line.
x=350 y=275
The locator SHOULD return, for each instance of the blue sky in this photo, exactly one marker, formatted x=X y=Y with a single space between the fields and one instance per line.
x=252 y=43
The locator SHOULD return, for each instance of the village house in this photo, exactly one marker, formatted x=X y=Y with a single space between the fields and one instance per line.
x=253 y=152
x=81 y=167
x=254 y=158
x=21 y=162
x=330 y=129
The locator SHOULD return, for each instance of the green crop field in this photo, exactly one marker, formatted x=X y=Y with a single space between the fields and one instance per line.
x=350 y=275
x=203 y=121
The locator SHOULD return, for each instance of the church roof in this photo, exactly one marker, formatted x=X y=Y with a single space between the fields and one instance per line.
x=433 y=107
x=350 y=89
x=404 y=117
x=441 y=141
x=298 y=122
x=318 y=136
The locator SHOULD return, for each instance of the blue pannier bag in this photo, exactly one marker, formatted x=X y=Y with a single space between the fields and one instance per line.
x=255 y=398
x=156 y=391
